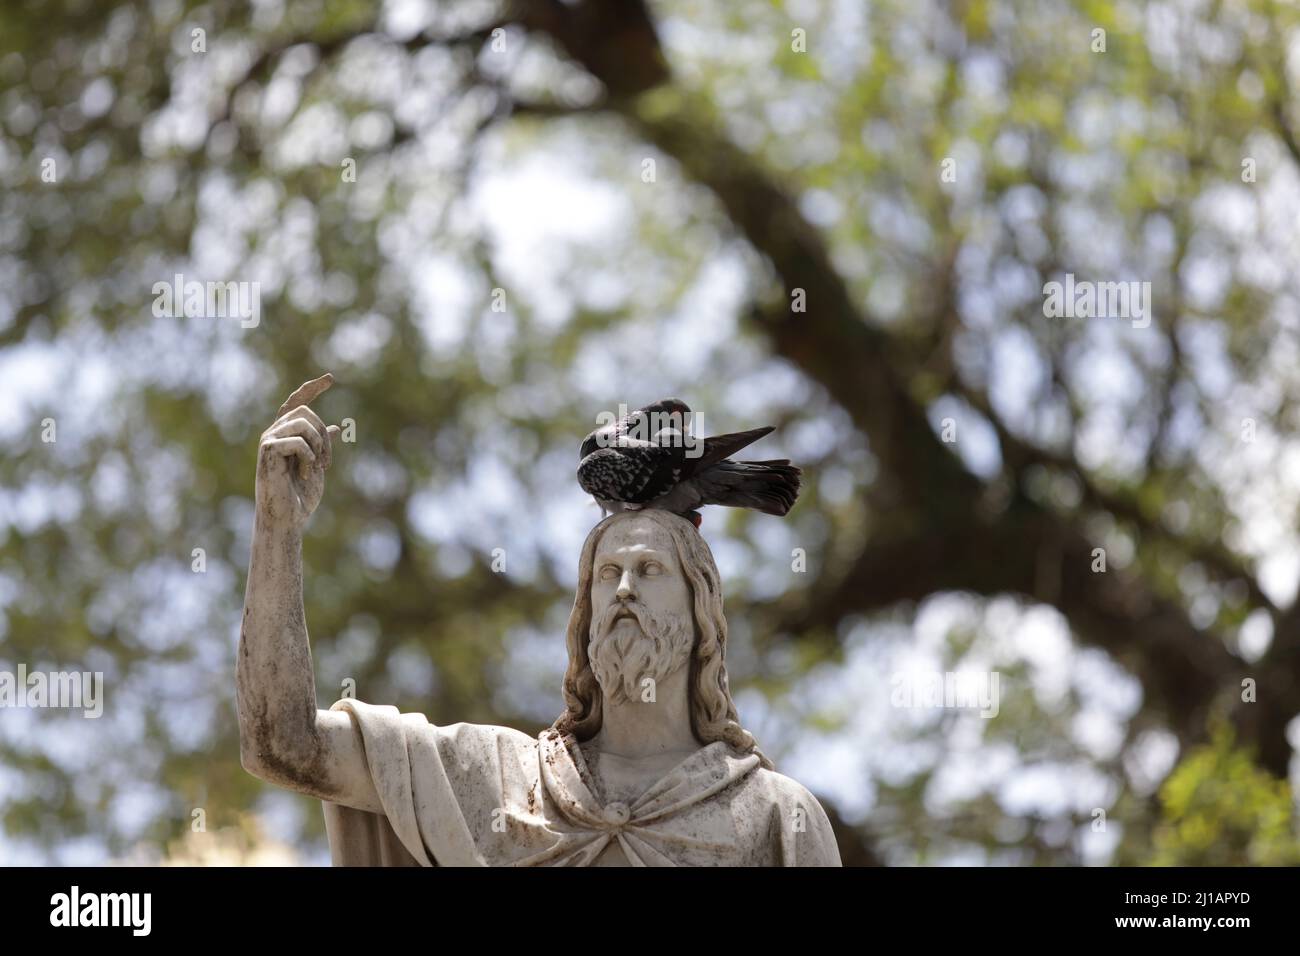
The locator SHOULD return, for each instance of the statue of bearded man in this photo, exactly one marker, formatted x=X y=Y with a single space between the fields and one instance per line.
x=647 y=766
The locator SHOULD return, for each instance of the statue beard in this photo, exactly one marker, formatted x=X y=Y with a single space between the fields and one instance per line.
x=621 y=660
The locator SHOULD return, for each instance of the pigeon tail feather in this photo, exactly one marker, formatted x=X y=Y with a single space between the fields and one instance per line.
x=767 y=486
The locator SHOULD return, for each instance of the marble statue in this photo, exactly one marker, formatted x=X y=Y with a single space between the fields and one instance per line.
x=647 y=766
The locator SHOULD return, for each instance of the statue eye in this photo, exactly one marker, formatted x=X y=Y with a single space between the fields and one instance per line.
x=653 y=568
x=608 y=573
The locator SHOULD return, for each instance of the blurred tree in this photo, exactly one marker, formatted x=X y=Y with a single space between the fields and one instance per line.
x=841 y=216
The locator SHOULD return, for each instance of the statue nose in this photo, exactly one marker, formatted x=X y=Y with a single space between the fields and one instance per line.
x=625 y=585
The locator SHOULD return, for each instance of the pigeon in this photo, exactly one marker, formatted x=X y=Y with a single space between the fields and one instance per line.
x=647 y=459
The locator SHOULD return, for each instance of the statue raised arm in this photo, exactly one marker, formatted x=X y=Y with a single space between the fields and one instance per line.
x=283 y=737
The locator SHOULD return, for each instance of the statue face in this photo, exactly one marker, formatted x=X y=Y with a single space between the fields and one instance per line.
x=642 y=623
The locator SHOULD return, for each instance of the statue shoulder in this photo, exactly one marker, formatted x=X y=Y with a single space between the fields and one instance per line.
x=492 y=734
x=477 y=749
x=786 y=789
x=384 y=719
x=789 y=794
x=807 y=836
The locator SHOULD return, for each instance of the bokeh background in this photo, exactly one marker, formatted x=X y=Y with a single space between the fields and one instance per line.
x=798 y=152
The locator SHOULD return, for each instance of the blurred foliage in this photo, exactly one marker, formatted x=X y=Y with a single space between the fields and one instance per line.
x=243 y=844
x=521 y=170
x=1219 y=809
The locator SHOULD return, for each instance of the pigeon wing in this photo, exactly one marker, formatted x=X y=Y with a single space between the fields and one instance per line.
x=631 y=472
x=720 y=447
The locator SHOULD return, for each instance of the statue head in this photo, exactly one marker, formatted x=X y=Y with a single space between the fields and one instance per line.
x=649 y=602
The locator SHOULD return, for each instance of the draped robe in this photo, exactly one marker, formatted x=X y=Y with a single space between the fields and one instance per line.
x=480 y=795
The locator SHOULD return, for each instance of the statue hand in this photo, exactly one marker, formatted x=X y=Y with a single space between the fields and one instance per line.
x=292 y=457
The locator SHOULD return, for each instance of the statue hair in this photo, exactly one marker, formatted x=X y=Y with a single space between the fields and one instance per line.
x=713 y=712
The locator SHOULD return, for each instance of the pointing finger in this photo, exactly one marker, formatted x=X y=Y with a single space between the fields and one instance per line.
x=306 y=393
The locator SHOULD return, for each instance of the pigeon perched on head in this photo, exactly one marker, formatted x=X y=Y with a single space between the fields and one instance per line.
x=647 y=459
